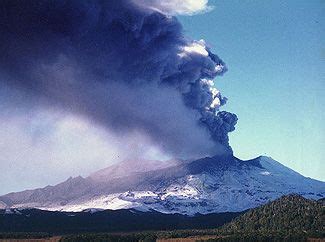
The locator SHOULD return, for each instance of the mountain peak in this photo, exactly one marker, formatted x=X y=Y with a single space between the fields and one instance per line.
x=207 y=185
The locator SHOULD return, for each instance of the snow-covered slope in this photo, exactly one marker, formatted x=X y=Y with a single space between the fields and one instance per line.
x=216 y=184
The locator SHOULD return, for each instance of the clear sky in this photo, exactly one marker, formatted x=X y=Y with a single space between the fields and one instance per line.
x=275 y=52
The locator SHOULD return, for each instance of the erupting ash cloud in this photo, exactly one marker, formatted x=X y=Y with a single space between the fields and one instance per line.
x=125 y=66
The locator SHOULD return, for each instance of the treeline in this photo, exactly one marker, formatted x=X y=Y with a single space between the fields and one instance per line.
x=23 y=235
x=34 y=220
x=264 y=237
x=220 y=236
x=289 y=218
x=137 y=237
x=292 y=213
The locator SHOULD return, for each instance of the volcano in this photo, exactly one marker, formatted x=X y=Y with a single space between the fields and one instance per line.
x=207 y=185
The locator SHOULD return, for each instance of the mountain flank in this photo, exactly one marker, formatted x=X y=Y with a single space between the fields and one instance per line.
x=208 y=185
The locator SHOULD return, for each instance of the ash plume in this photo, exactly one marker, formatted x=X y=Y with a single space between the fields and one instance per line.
x=127 y=67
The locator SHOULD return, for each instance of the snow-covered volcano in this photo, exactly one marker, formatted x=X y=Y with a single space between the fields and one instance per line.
x=212 y=184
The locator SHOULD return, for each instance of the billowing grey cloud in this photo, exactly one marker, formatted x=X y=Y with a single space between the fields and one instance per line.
x=176 y=7
x=125 y=67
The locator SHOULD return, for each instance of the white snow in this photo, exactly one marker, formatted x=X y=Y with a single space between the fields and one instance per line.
x=265 y=173
x=232 y=189
x=112 y=201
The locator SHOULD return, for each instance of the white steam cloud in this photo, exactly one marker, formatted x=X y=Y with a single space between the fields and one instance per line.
x=177 y=7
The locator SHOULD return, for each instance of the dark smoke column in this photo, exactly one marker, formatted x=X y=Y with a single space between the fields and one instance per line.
x=109 y=61
x=205 y=98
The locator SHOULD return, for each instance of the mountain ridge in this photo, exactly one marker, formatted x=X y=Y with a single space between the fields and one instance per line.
x=207 y=185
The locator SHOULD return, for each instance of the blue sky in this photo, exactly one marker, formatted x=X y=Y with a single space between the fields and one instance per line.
x=275 y=52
